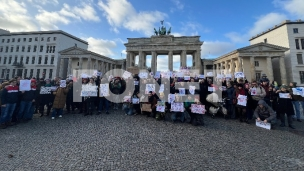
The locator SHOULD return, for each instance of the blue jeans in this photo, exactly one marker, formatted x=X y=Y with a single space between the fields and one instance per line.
x=296 y=105
x=175 y=115
x=103 y=103
x=55 y=111
x=7 y=112
x=25 y=110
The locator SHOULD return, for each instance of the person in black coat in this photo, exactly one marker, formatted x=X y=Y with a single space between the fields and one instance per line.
x=285 y=107
x=229 y=101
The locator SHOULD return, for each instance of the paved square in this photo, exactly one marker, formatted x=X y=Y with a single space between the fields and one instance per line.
x=119 y=142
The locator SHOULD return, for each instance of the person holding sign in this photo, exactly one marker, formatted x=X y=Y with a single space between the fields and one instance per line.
x=297 y=99
x=59 y=101
x=285 y=106
x=177 y=114
x=241 y=108
x=196 y=118
x=265 y=113
x=103 y=93
x=257 y=93
x=161 y=104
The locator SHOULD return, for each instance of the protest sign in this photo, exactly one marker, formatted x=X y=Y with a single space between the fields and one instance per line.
x=135 y=100
x=126 y=75
x=182 y=91
x=298 y=91
x=157 y=74
x=186 y=78
x=160 y=107
x=62 y=83
x=88 y=91
x=228 y=76
x=143 y=75
x=127 y=99
x=239 y=75
x=209 y=74
x=199 y=109
x=177 y=107
x=45 y=90
x=54 y=88
x=25 y=85
x=161 y=88
x=201 y=76
x=211 y=89
x=242 y=100
x=192 y=90
x=146 y=108
x=171 y=98
x=70 y=77
x=284 y=95
x=179 y=74
x=150 y=87
x=135 y=82
x=84 y=75
x=263 y=124
x=104 y=90
x=253 y=91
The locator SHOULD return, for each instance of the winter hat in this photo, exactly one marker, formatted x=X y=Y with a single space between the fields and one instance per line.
x=283 y=86
x=33 y=80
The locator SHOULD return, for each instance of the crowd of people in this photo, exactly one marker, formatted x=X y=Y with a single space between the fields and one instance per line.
x=264 y=104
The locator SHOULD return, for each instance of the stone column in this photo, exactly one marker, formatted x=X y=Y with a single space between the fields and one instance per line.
x=270 y=69
x=96 y=64
x=69 y=67
x=128 y=59
x=61 y=67
x=80 y=63
x=283 y=70
x=140 y=60
x=132 y=60
x=184 y=58
x=89 y=63
x=226 y=67
x=170 y=62
x=240 y=64
x=232 y=66
x=144 y=60
x=252 y=68
x=198 y=61
x=154 y=62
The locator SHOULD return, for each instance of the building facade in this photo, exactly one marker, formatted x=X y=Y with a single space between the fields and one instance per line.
x=289 y=34
x=34 y=54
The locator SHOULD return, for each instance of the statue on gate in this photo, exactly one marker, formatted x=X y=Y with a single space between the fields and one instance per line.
x=162 y=30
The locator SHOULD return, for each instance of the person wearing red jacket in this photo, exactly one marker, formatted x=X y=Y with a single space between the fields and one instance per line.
x=9 y=98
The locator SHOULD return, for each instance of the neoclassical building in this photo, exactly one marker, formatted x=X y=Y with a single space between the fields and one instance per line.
x=253 y=61
x=75 y=59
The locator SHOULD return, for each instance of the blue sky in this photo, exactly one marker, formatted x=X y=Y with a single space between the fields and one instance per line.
x=223 y=25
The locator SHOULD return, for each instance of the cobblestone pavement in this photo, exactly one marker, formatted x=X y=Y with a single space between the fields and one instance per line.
x=119 y=142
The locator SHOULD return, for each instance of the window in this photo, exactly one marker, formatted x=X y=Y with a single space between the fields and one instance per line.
x=17 y=49
x=25 y=73
x=13 y=40
x=36 y=39
x=42 y=39
x=16 y=57
x=21 y=59
x=302 y=43
x=48 y=39
x=2 y=73
x=295 y=30
x=52 y=61
x=39 y=60
x=33 y=60
x=6 y=49
x=24 y=39
x=0 y=59
x=30 y=39
x=54 y=38
x=38 y=73
x=50 y=73
x=302 y=77
x=23 y=48
x=12 y=48
x=35 y=48
x=1 y=49
x=47 y=49
x=300 y=58
x=14 y=72
x=10 y=60
x=77 y=63
x=297 y=44
x=31 y=73
x=29 y=48
x=18 y=39
x=8 y=40
x=265 y=40
x=46 y=60
x=3 y=40
x=44 y=72
x=53 y=49
x=27 y=60
x=41 y=48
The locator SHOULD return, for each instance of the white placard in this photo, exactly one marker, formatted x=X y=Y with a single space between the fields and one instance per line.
x=177 y=107
x=45 y=90
x=284 y=95
x=135 y=82
x=211 y=89
x=228 y=76
x=192 y=90
x=161 y=88
x=127 y=99
x=179 y=74
x=25 y=85
x=182 y=91
x=104 y=90
x=199 y=109
x=298 y=91
x=201 y=76
x=84 y=75
x=209 y=74
x=88 y=91
x=242 y=100
x=143 y=75
x=70 y=77
x=220 y=76
x=160 y=107
x=150 y=87
x=126 y=75
x=171 y=98
x=262 y=124
x=186 y=78
x=62 y=83
x=253 y=91
x=239 y=75
x=157 y=74
x=99 y=74
x=135 y=100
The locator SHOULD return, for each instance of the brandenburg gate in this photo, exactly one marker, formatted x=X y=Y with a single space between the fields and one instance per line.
x=162 y=43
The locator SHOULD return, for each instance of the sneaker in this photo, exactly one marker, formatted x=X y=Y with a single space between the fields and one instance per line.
x=60 y=116
x=53 y=117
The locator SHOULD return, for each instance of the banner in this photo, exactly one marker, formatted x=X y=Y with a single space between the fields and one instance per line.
x=199 y=109
x=25 y=85
x=284 y=95
x=88 y=91
x=150 y=87
x=239 y=75
x=171 y=98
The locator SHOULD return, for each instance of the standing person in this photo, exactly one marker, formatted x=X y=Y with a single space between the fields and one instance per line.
x=116 y=87
x=103 y=101
x=69 y=100
x=241 y=109
x=90 y=100
x=59 y=101
x=285 y=107
x=297 y=100
x=175 y=114
x=45 y=99
x=9 y=99
x=230 y=104
x=27 y=98
x=259 y=95
x=265 y=85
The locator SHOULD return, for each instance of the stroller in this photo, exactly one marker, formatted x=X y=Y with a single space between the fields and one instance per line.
x=217 y=105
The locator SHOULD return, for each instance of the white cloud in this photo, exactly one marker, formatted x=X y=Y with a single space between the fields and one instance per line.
x=212 y=49
x=101 y=46
x=124 y=52
x=44 y=2
x=178 y=5
x=86 y=12
x=49 y=20
x=262 y=24
x=121 y=13
x=14 y=16
x=294 y=7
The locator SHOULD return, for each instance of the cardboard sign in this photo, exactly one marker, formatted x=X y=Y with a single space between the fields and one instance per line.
x=157 y=74
x=146 y=108
x=127 y=99
x=45 y=90
x=242 y=100
x=211 y=89
x=177 y=107
x=199 y=109
x=253 y=91
x=88 y=91
x=284 y=95
x=62 y=83
x=126 y=75
x=262 y=124
x=192 y=90
x=239 y=75
x=171 y=98
x=186 y=78
x=150 y=87
x=104 y=90
x=133 y=70
x=25 y=85
x=135 y=100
